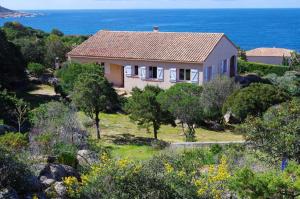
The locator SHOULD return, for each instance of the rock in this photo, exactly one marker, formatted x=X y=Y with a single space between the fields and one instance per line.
x=47 y=182
x=230 y=118
x=57 y=172
x=60 y=189
x=34 y=184
x=86 y=158
x=6 y=129
x=8 y=194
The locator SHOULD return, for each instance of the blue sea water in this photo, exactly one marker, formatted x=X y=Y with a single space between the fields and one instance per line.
x=248 y=28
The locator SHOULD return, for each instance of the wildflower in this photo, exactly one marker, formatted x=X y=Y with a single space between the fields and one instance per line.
x=123 y=163
x=169 y=168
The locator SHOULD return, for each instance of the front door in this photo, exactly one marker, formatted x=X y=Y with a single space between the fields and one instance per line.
x=232 y=66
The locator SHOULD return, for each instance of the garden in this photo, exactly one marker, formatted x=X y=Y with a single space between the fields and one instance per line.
x=66 y=133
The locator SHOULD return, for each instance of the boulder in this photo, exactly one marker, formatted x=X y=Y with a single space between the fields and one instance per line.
x=57 y=172
x=230 y=118
x=86 y=158
x=8 y=194
x=60 y=189
x=34 y=184
x=47 y=182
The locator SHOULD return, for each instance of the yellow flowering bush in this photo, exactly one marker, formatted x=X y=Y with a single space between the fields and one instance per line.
x=73 y=186
x=213 y=183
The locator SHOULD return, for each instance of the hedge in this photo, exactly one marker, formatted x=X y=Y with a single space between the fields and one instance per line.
x=260 y=68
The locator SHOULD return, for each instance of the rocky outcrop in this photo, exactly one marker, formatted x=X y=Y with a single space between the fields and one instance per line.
x=57 y=172
x=8 y=194
x=87 y=158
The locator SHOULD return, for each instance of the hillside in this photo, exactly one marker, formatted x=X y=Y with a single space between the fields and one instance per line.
x=5 y=13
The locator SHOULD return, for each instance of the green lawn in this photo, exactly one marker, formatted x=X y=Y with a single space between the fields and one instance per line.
x=127 y=140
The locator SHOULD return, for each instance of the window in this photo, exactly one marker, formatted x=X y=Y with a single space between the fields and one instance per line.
x=102 y=64
x=224 y=66
x=152 y=72
x=185 y=74
x=136 y=70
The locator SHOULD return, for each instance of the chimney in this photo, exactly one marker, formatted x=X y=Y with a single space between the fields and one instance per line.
x=155 y=29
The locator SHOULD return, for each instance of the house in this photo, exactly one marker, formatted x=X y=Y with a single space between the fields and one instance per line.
x=135 y=59
x=268 y=55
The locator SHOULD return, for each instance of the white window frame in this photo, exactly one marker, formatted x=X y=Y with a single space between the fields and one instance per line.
x=207 y=76
x=184 y=74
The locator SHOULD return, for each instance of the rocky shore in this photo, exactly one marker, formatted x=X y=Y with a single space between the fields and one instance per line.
x=6 y=13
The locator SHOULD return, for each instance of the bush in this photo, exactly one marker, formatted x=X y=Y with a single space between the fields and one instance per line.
x=66 y=154
x=13 y=172
x=262 y=69
x=253 y=100
x=268 y=184
x=36 y=69
x=290 y=82
x=14 y=141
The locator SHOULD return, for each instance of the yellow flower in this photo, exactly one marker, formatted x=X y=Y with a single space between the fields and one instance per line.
x=123 y=163
x=181 y=173
x=168 y=168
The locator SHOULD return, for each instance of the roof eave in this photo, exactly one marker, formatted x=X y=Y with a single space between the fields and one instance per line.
x=134 y=59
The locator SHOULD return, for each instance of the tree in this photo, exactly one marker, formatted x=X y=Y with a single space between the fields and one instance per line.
x=93 y=94
x=146 y=111
x=214 y=95
x=253 y=100
x=69 y=73
x=55 y=48
x=12 y=64
x=57 y=32
x=183 y=102
x=20 y=111
x=295 y=61
x=242 y=54
x=277 y=133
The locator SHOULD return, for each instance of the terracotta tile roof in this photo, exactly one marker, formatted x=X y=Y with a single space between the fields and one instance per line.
x=154 y=46
x=269 y=52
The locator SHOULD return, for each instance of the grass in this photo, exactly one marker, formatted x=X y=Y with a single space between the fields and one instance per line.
x=125 y=139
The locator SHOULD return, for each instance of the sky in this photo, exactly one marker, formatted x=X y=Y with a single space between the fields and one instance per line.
x=142 y=4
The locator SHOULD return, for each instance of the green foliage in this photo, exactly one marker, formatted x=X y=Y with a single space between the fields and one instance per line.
x=57 y=32
x=277 y=132
x=13 y=172
x=290 y=82
x=69 y=73
x=214 y=95
x=263 y=69
x=52 y=123
x=146 y=111
x=12 y=64
x=242 y=54
x=36 y=68
x=55 y=48
x=7 y=102
x=183 y=102
x=253 y=100
x=66 y=154
x=93 y=94
x=295 y=61
x=14 y=142
x=268 y=184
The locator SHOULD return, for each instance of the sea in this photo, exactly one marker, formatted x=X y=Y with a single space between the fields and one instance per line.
x=247 y=28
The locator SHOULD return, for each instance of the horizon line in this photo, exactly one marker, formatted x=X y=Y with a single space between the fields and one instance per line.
x=229 y=8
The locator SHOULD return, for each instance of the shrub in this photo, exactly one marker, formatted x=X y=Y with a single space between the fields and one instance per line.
x=14 y=141
x=277 y=132
x=290 y=82
x=36 y=68
x=268 y=184
x=253 y=100
x=263 y=69
x=214 y=95
x=66 y=154
x=13 y=172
